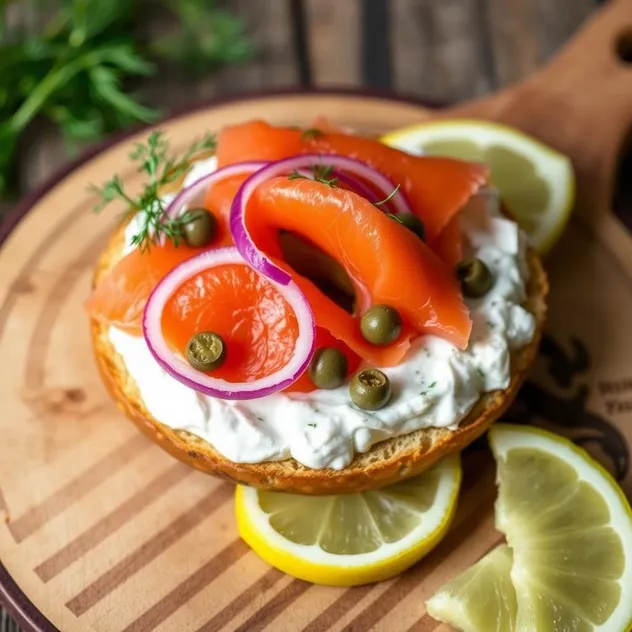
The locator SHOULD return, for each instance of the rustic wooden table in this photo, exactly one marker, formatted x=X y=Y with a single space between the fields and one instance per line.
x=445 y=50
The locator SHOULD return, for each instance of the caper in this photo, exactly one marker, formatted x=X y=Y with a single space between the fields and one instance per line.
x=328 y=368
x=206 y=351
x=370 y=389
x=381 y=325
x=199 y=228
x=413 y=223
x=475 y=277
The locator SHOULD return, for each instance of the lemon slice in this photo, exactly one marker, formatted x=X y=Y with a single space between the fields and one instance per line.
x=350 y=539
x=570 y=528
x=481 y=599
x=536 y=183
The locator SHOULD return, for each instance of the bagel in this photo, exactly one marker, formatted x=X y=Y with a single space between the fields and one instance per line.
x=386 y=462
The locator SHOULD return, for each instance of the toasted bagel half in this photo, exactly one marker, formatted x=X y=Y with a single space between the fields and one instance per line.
x=386 y=462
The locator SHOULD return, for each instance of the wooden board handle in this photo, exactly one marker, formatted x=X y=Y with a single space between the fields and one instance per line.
x=580 y=102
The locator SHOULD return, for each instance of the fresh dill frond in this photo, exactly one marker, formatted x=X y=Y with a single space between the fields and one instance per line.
x=320 y=173
x=388 y=198
x=310 y=134
x=161 y=169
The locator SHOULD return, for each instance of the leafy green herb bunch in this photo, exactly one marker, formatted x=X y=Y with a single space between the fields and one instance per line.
x=79 y=67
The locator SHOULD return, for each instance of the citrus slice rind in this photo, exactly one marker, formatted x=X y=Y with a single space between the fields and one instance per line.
x=536 y=182
x=570 y=529
x=351 y=539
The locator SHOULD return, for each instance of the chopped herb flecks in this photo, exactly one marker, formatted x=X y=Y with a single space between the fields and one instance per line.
x=428 y=388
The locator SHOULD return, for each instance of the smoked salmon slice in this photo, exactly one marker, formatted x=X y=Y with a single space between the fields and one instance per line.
x=380 y=260
x=448 y=244
x=218 y=200
x=120 y=297
x=392 y=263
x=246 y=309
x=436 y=187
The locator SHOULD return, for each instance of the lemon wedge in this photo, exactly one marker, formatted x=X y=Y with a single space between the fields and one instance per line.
x=569 y=527
x=480 y=599
x=536 y=183
x=350 y=539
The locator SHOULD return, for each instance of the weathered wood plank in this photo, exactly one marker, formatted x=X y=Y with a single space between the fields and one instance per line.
x=559 y=20
x=334 y=41
x=513 y=37
x=525 y=33
x=274 y=64
x=268 y=27
x=376 y=62
x=439 y=48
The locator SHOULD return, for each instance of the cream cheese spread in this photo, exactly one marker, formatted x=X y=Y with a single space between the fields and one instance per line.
x=436 y=384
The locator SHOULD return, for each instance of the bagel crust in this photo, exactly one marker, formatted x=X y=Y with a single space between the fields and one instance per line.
x=386 y=462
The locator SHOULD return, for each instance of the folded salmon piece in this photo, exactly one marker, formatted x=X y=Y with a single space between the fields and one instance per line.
x=384 y=262
x=437 y=188
x=380 y=256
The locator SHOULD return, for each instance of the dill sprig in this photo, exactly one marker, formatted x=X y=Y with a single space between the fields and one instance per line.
x=320 y=173
x=311 y=134
x=389 y=197
x=162 y=169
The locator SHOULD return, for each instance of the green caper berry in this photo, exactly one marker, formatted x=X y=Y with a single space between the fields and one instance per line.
x=475 y=277
x=381 y=325
x=328 y=368
x=206 y=351
x=200 y=228
x=413 y=223
x=370 y=389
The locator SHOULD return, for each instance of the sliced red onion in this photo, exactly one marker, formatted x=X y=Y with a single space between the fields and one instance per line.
x=243 y=240
x=182 y=371
x=356 y=185
x=193 y=195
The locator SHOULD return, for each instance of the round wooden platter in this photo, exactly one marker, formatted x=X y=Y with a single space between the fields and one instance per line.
x=104 y=531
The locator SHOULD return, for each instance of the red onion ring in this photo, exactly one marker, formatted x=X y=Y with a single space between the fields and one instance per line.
x=243 y=240
x=356 y=185
x=182 y=371
x=193 y=194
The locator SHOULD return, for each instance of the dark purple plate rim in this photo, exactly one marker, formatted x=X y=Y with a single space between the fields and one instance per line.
x=12 y=598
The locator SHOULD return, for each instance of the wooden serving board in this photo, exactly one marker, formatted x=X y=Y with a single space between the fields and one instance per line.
x=104 y=531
